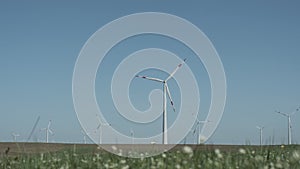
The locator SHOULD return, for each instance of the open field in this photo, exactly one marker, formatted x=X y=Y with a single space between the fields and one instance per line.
x=38 y=155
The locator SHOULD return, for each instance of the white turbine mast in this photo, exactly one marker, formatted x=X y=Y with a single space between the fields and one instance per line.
x=260 y=128
x=48 y=131
x=165 y=93
x=132 y=136
x=99 y=128
x=197 y=129
x=288 y=116
x=84 y=136
x=14 y=135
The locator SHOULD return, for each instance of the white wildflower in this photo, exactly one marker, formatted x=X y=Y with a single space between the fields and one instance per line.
x=242 y=151
x=259 y=158
x=218 y=153
x=187 y=149
x=84 y=161
x=114 y=148
x=278 y=165
x=296 y=155
x=125 y=167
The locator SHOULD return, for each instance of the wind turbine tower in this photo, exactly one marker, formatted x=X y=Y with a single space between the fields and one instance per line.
x=48 y=130
x=261 y=133
x=132 y=136
x=15 y=136
x=165 y=93
x=197 y=129
x=289 y=123
x=99 y=128
x=84 y=136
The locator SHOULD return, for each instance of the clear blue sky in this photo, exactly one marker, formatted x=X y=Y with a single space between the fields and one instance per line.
x=258 y=43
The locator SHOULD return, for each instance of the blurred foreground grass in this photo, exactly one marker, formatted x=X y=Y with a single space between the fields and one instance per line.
x=184 y=157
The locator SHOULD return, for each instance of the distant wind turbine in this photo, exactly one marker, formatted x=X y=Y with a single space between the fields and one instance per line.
x=260 y=128
x=289 y=123
x=99 y=128
x=132 y=136
x=14 y=135
x=84 y=136
x=197 y=129
x=48 y=131
x=165 y=93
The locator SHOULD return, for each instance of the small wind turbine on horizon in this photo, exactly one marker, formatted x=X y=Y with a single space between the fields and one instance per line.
x=99 y=128
x=14 y=135
x=48 y=130
x=132 y=136
x=84 y=136
x=165 y=93
x=197 y=129
x=260 y=128
x=289 y=123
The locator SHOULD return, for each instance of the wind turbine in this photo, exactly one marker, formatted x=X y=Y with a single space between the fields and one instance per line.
x=289 y=123
x=198 y=128
x=132 y=136
x=99 y=128
x=48 y=130
x=84 y=136
x=260 y=128
x=14 y=135
x=165 y=93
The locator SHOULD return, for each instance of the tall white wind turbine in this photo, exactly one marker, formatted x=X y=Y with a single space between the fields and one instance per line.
x=48 y=131
x=260 y=128
x=165 y=93
x=289 y=123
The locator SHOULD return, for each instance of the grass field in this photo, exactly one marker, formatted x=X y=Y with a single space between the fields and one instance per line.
x=35 y=155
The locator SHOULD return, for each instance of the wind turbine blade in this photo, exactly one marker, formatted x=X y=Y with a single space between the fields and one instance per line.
x=49 y=124
x=50 y=131
x=150 y=78
x=34 y=127
x=284 y=114
x=83 y=132
x=101 y=123
x=194 y=132
x=131 y=132
x=178 y=66
x=169 y=95
x=295 y=111
x=202 y=121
